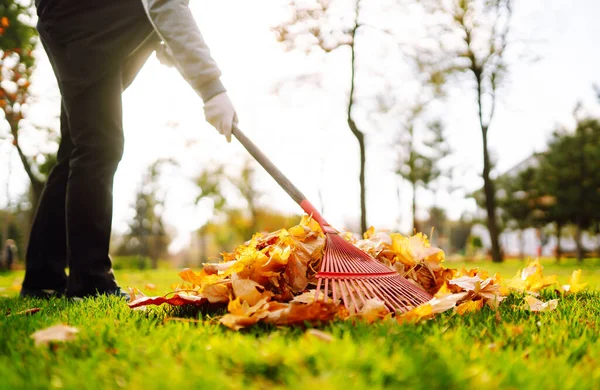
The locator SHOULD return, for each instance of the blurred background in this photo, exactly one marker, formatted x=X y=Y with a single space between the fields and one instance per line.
x=476 y=122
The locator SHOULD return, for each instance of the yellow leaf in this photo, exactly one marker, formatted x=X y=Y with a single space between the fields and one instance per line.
x=574 y=285
x=401 y=247
x=531 y=278
x=468 y=307
x=369 y=233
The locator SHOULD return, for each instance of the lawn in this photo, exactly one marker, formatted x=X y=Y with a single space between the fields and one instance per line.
x=164 y=347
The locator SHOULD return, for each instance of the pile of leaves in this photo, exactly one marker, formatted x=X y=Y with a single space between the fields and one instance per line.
x=272 y=279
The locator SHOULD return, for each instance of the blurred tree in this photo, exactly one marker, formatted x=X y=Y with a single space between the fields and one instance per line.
x=232 y=224
x=18 y=38
x=459 y=233
x=518 y=196
x=473 y=35
x=147 y=236
x=419 y=156
x=569 y=178
x=319 y=23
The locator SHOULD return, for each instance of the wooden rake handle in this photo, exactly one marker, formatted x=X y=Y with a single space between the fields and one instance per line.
x=279 y=177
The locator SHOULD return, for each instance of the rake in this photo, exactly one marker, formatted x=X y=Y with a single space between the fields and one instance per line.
x=346 y=271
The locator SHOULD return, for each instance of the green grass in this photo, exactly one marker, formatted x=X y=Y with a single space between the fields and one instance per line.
x=120 y=348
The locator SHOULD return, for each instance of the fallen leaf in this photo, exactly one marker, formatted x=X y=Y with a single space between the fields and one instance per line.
x=469 y=307
x=434 y=306
x=537 y=305
x=249 y=291
x=59 y=332
x=217 y=293
x=26 y=312
x=574 y=285
x=373 y=310
x=320 y=335
x=531 y=278
x=177 y=299
x=295 y=273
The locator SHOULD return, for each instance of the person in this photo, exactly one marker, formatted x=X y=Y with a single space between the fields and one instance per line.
x=96 y=48
x=10 y=252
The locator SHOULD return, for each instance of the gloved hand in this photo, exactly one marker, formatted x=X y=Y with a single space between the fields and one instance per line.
x=164 y=55
x=220 y=113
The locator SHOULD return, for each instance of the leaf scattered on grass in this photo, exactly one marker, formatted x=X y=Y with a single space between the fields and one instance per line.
x=574 y=284
x=535 y=304
x=26 y=312
x=319 y=335
x=56 y=333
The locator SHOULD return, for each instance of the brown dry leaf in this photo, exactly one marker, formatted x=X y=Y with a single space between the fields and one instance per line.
x=535 y=304
x=374 y=310
x=249 y=291
x=176 y=299
x=215 y=268
x=297 y=313
x=217 y=293
x=242 y=315
x=26 y=312
x=295 y=274
x=54 y=333
x=319 y=335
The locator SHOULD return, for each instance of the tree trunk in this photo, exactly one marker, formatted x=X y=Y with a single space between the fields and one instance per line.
x=414 y=209
x=37 y=186
x=558 y=234
x=521 y=245
x=355 y=130
x=580 y=253
x=490 y=202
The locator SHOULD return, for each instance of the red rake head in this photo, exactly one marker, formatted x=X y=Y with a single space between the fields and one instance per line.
x=355 y=277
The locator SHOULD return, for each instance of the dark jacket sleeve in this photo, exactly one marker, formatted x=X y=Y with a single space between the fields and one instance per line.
x=177 y=28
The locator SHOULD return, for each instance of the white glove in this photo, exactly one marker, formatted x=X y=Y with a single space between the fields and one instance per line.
x=164 y=55
x=220 y=113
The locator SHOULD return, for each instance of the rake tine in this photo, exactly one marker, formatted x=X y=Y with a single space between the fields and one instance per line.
x=318 y=290
x=350 y=290
x=366 y=295
x=333 y=290
x=344 y=298
x=359 y=291
x=326 y=289
x=414 y=291
x=389 y=293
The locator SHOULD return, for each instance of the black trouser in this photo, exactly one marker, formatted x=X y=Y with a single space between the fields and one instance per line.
x=95 y=57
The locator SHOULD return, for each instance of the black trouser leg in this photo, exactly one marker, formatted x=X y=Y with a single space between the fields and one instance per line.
x=95 y=121
x=46 y=257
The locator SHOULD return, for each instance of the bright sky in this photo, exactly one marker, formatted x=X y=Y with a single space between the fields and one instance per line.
x=303 y=129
